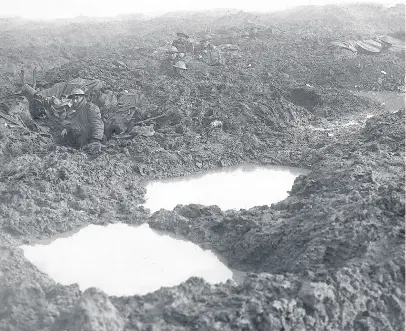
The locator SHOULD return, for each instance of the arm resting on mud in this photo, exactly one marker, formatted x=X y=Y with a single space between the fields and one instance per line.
x=96 y=122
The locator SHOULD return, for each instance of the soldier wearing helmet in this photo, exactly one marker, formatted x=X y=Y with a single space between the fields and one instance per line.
x=84 y=124
x=253 y=33
x=207 y=52
x=206 y=48
x=182 y=40
x=179 y=68
x=172 y=52
x=166 y=67
x=205 y=43
x=245 y=35
x=181 y=53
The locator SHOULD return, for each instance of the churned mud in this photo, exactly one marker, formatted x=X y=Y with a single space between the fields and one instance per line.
x=328 y=257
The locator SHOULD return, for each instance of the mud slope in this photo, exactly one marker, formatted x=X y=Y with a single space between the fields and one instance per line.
x=296 y=43
x=329 y=257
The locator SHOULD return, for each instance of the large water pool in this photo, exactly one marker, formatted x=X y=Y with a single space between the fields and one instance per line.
x=125 y=260
x=240 y=187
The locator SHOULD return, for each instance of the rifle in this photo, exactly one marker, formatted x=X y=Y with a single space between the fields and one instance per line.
x=11 y=120
x=28 y=89
x=17 y=94
x=151 y=118
x=34 y=78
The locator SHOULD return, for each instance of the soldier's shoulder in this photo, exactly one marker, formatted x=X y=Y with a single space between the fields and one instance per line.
x=93 y=107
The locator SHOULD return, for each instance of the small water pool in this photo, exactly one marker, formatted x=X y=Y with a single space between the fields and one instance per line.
x=392 y=101
x=125 y=260
x=237 y=187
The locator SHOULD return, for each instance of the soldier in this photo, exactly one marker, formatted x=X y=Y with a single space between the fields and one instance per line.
x=179 y=69
x=127 y=111
x=205 y=43
x=181 y=55
x=253 y=34
x=205 y=46
x=183 y=40
x=208 y=53
x=84 y=124
x=245 y=35
x=166 y=67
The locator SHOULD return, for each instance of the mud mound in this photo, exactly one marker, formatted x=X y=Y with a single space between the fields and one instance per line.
x=340 y=233
x=290 y=59
x=294 y=42
x=311 y=201
x=61 y=185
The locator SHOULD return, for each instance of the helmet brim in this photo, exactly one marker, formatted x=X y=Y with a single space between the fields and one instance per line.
x=181 y=34
x=74 y=95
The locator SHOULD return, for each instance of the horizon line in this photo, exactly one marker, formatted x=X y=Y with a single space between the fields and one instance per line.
x=158 y=13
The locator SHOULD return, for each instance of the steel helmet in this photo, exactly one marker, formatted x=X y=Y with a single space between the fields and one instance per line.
x=181 y=34
x=180 y=65
x=206 y=37
x=172 y=49
x=76 y=91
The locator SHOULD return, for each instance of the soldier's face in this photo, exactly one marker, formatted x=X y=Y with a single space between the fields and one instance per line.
x=172 y=56
x=76 y=99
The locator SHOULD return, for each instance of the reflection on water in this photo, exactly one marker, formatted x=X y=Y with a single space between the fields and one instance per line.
x=233 y=188
x=125 y=260
x=393 y=101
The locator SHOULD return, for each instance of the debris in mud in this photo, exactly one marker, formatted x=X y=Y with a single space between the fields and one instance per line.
x=372 y=46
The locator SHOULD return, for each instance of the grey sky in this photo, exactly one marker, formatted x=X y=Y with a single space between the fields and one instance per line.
x=48 y=9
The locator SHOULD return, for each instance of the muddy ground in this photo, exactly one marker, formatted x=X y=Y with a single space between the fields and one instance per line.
x=329 y=257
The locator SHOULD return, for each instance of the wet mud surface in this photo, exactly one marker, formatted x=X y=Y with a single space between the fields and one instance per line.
x=329 y=257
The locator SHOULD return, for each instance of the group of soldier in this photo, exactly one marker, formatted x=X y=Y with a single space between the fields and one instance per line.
x=182 y=50
x=80 y=122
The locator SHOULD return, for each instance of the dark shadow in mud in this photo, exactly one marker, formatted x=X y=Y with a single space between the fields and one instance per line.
x=306 y=98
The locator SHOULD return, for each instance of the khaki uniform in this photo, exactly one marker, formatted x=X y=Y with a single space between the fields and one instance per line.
x=127 y=111
x=84 y=124
x=166 y=67
x=209 y=54
x=184 y=46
